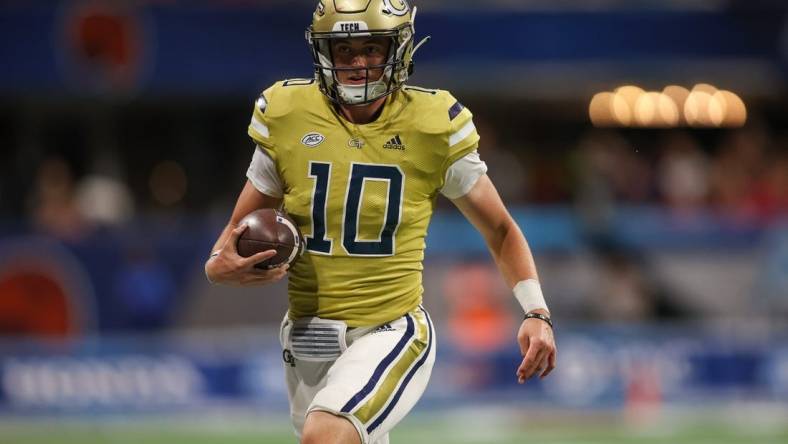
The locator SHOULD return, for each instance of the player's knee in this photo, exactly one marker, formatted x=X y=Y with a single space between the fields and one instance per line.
x=326 y=428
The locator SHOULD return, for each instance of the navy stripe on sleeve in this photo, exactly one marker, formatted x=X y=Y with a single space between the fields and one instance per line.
x=455 y=110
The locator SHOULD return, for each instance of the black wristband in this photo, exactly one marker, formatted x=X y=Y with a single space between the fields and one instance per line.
x=540 y=316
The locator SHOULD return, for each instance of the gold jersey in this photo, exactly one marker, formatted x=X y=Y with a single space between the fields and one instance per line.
x=362 y=194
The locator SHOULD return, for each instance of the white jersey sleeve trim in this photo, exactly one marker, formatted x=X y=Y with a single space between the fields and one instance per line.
x=259 y=127
x=462 y=175
x=461 y=134
x=263 y=175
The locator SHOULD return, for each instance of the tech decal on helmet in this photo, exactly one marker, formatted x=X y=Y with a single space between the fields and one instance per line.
x=344 y=19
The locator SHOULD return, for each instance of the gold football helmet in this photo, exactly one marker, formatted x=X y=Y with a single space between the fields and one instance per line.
x=335 y=19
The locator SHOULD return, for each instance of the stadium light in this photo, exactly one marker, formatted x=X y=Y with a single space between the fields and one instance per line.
x=600 y=110
x=735 y=112
x=679 y=95
x=702 y=107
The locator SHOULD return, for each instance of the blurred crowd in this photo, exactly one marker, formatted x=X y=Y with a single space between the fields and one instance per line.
x=740 y=174
x=74 y=183
x=94 y=183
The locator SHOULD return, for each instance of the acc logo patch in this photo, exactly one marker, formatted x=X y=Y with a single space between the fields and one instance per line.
x=396 y=7
x=312 y=139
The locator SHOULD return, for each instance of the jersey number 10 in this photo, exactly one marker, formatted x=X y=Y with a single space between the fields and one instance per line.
x=360 y=172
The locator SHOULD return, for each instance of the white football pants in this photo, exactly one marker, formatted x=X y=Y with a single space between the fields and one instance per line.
x=373 y=376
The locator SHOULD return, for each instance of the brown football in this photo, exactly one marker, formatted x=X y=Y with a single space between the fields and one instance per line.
x=270 y=229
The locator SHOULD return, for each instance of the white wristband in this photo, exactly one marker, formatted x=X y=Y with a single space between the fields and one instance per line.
x=529 y=295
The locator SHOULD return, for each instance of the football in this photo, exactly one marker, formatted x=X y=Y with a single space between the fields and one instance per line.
x=270 y=229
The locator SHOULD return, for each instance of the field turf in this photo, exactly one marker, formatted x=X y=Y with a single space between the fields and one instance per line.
x=424 y=430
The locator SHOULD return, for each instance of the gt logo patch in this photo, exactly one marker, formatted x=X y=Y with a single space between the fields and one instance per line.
x=396 y=7
x=312 y=139
x=288 y=358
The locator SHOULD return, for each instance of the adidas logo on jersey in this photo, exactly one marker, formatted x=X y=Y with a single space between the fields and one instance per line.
x=382 y=328
x=395 y=144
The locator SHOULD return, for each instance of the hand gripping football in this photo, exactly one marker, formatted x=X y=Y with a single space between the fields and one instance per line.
x=270 y=229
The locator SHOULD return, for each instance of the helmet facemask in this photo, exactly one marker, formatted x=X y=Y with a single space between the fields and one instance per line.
x=394 y=69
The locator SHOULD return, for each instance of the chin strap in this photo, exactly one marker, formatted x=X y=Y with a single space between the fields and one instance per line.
x=421 y=42
x=418 y=45
x=413 y=54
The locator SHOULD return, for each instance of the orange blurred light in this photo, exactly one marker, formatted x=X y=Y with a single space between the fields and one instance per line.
x=646 y=113
x=735 y=110
x=705 y=87
x=600 y=110
x=655 y=109
x=696 y=108
x=668 y=111
x=678 y=94
x=623 y=104
x=703 y=106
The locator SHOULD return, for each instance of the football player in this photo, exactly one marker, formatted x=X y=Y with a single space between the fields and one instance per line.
x=358 y=159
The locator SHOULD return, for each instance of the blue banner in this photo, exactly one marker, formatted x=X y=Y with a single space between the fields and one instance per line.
x=214 y=48
x=599 y=368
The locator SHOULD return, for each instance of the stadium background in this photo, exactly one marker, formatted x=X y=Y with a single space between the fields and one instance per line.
x=659 y=230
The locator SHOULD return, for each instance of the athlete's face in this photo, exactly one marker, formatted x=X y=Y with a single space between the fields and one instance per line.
x=360 y=52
